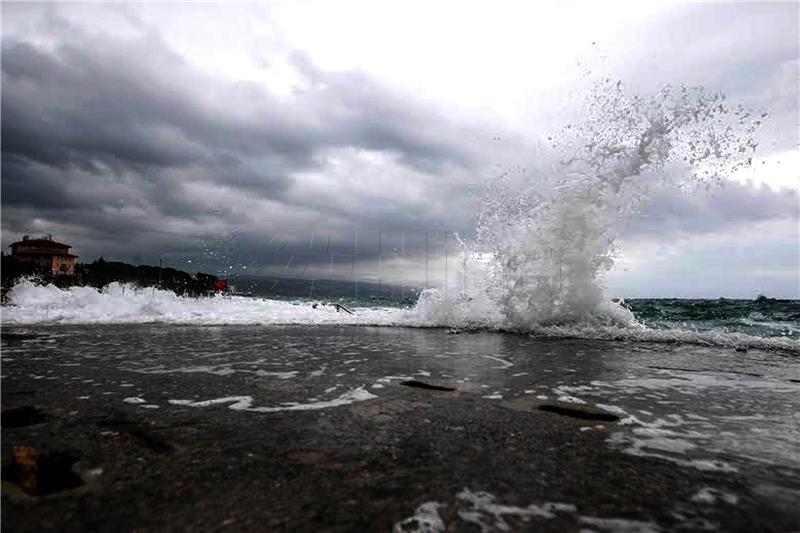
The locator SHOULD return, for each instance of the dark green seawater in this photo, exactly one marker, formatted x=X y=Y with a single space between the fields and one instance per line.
x=762 y=317
x=762 y=322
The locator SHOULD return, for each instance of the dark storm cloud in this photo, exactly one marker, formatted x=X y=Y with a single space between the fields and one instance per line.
x=97 y=124
x=374 y=117
x=122 y=147
x=87 y=102
x=71 y=108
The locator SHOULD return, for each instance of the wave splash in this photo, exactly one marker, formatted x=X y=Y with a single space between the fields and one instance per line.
x=542 y=245
x=33 y=304
x=549 y=240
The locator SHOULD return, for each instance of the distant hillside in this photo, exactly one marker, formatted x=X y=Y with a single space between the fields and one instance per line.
x=101 y=272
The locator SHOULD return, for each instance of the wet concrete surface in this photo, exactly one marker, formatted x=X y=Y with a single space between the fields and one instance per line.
x=363 y=466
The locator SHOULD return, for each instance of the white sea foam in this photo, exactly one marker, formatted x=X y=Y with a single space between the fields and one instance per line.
x=666 y=449
x=698 y=384
x=227 y=369
x=134 y=400
x=503 y=363
x=619 y=525
x=124 y=304
x=425 y=519
x=481 y=509
x=245 y=403
x=709 y=495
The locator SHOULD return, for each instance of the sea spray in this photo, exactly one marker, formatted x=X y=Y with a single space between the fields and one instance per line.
x=550 y=239
x=41 y=305
x=541 y=248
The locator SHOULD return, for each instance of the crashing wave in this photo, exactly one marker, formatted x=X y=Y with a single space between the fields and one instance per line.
x=32 y=304
x=550 y=240
x=542 y=246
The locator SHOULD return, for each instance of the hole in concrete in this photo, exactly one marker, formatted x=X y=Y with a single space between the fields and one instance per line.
x=26 y=415
x=427 y=386
x=40 y=474
x=584 y=413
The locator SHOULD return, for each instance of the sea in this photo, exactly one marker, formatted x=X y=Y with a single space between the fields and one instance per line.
x=707 y=384
x=766 y=323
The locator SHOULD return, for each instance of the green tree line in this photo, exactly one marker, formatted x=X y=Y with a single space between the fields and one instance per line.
x=101 y=272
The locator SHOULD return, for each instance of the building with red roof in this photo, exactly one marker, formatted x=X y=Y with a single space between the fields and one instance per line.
x=45 y=253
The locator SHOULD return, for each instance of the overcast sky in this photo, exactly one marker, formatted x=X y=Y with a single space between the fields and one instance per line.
x=323 y=139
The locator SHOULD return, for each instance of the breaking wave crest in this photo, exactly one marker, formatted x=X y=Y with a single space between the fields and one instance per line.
x=32 y=304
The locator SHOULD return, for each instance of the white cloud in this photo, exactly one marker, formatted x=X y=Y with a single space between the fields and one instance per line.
x=344 y=115
x=738 y=262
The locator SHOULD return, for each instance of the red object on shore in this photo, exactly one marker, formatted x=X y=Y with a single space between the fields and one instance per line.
x=221 y=285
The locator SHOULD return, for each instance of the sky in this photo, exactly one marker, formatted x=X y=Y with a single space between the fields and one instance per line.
x=355 y=139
